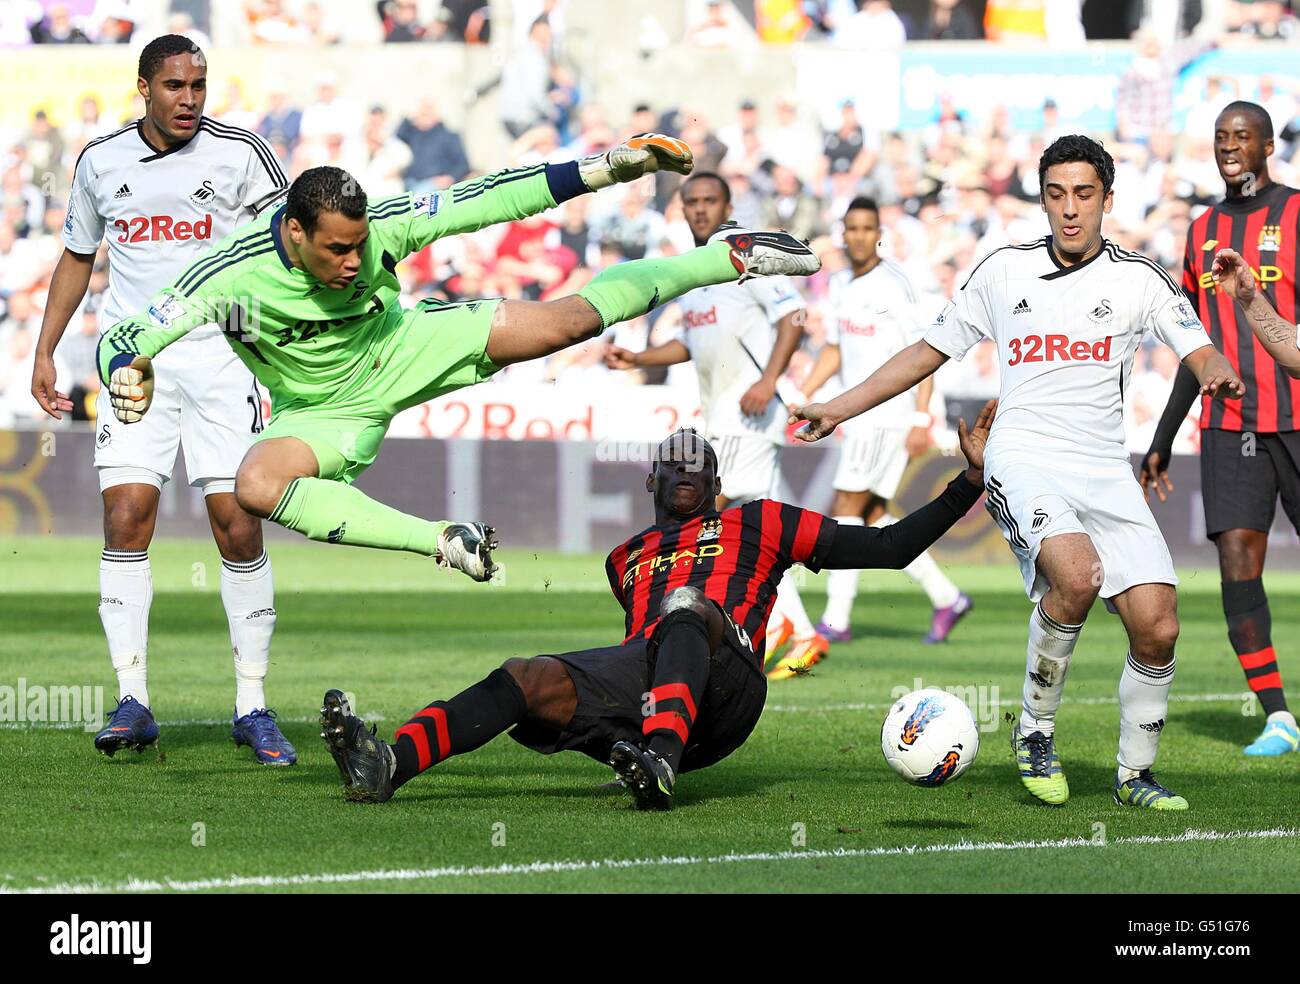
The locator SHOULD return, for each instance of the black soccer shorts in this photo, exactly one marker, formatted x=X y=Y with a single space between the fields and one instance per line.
x=613 y=685
x=1240 y=489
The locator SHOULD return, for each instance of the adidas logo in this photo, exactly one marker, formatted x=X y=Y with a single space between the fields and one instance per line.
x=1022 y=307
x=1154 y=728
x=123 y=192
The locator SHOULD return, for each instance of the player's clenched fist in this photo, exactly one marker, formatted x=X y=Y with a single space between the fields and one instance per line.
x=130 y=389
x=639 y=155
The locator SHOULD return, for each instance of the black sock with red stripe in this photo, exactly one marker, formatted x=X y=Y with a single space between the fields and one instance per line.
x=1250 y=628
x=452 y=727
x=681 y=673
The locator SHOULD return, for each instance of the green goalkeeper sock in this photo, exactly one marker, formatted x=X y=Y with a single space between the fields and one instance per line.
x=629 y=290
x=334 y=512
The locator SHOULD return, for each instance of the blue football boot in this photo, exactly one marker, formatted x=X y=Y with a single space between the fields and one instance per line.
x=1279 y=736
x=131 y=725
x=258 y=730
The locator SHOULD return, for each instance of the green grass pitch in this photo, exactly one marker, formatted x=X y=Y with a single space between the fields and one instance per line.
x=808 y=804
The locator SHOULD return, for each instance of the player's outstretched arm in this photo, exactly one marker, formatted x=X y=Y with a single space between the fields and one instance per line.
x=899 y=544
x=1275 y=333
x=667 y=354
x=915 y=363
x=1155 y=466
x=516 y=193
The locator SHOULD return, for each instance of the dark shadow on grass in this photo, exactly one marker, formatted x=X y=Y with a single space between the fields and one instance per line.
x=929 y=825
x=1224 y=725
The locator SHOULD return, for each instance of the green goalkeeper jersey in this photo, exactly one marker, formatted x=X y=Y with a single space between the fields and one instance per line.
x=304 y=341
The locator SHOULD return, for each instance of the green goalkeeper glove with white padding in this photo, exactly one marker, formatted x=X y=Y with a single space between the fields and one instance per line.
x=130 y=389
x=638 y=156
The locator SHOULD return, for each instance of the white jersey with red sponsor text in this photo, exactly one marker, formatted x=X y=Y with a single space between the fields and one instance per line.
x=1066 y=338
x=161 y=209
x=730 y=330
x=873 y=318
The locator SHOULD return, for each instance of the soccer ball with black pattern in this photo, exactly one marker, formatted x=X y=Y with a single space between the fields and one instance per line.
x=929 y=737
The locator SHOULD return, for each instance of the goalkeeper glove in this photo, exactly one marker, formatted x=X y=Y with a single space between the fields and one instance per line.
x=639 y=155
x=130 y=389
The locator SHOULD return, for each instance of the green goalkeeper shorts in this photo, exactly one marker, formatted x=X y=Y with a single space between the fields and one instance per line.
x=435 y=349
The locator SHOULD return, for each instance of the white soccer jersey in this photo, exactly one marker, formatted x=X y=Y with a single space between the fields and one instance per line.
x=719 y=324
x=873 y=318
x=161 y=209
x=1066 y=338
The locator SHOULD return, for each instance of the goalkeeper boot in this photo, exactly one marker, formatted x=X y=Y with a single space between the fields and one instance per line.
x=1143 y=790
x=258 y=730
x=468 y=547
x=766 y=254
x=131 y=726
x=364 y=759
x=636 y=157
x=1278 y=737
x=1040 y=766
x=649 y=778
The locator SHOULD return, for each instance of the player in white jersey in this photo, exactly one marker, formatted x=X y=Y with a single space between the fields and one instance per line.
x=740 y=337
x=1067 y=313
x=873 y=317
x=162 y=190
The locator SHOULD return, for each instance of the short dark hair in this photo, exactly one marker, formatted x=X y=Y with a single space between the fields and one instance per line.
x=1076 y=147
x=712 y=176
x=160 y=49
x=1255 y=111
x=324 y=189
x=863 y=203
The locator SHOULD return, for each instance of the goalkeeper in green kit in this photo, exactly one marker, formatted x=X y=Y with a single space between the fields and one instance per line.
x=307 y=297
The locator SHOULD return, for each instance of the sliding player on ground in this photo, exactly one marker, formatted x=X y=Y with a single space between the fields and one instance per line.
x=1067 y=313
x=1250 y=452
x=741 y=337
x=164 y=188
x=685 y=687
x=873 y=317
x=308 y=298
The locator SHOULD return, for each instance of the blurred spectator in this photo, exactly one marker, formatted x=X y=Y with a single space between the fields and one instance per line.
x=526 y=82
x=844 y=149
x=742 y=138
x=57 y=28
x=282 y=121
x=525 y=12
x=791 y=206
x=948 y=20
x=330 y=113
x=270 y=23
x=635 y=229
x=1260 y=18
x=45 y=157
x=320 y=27
x=234 y=108
x=469 y=21
x=437 y=153
x=875 y=27
x=183 y=24
x=78 y=350
x=113 y=21
x=719 y=27
x=780 y=21
x=90 y=125
x=377 y=159
x=401 y=21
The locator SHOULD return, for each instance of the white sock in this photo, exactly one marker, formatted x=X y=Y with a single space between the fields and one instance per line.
x=841 y=587
x=1286 y=717
x=125 y=595
x=248 y=593
x=1143 y=707
x=925 y=572
x=1046 y=664
x=789 y=604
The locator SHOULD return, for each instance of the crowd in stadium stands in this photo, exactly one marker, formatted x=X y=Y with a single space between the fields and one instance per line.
x=949 y=193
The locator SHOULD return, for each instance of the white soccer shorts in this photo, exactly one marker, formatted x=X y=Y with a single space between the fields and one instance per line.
x=872 y=461
x=1034 y=497
x=204 y=400
x=747 y=467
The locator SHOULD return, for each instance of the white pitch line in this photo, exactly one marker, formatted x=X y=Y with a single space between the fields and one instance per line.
x=187 y=723
x=619 y=864
x=1082 y=701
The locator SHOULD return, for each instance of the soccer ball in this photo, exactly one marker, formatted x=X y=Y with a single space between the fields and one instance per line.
x=929 y=737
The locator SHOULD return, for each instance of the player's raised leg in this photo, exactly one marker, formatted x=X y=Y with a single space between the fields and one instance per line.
x=1250 y=632
x=1150 y=615
x=125 y=597
x=1072 y=569
x=538 y=689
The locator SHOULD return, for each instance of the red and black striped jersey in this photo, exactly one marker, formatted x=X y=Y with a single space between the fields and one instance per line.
x=736 y=558
x=1263 y=228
